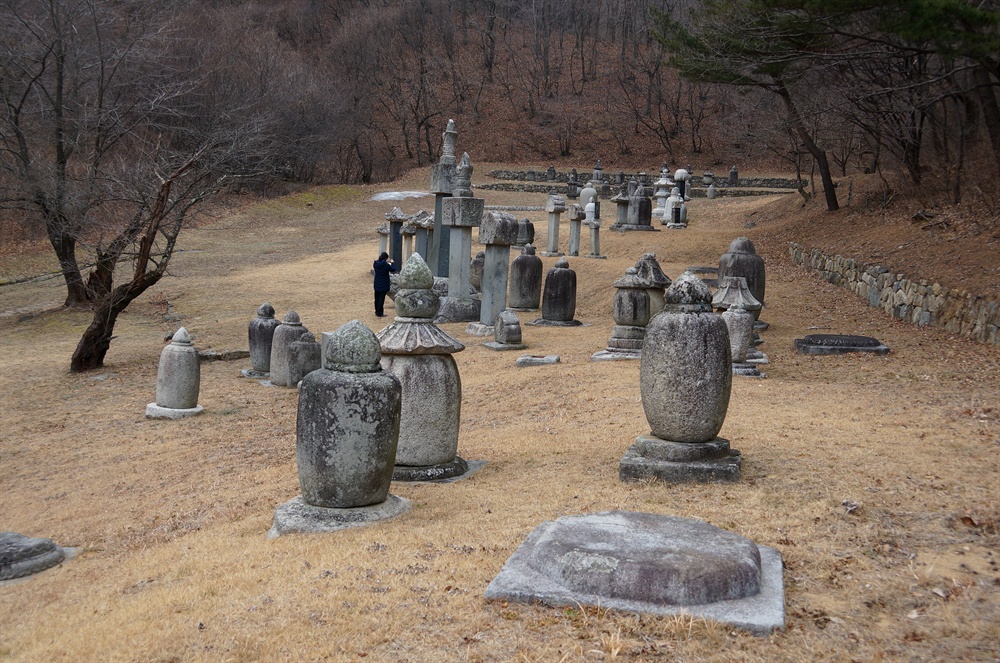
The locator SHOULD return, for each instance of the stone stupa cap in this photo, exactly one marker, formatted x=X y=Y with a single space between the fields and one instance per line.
x=562 y=263
x=265 y=310
x=181 y=337
x=742 y=245
x=631 y=280
x=292 y=318
x=528 y=250
x=688 y=294
x=648 y=268
x=416 y=275
x=308 y=337
x=353 y=349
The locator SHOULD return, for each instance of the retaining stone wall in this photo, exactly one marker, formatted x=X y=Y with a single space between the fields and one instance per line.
x=720 y=181
x=958 y=311
x=561 y=189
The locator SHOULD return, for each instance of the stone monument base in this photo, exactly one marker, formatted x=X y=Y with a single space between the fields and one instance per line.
x=839 y=344
x=680 y=462
x=536 y=360
x=748 y=370
x=522 y=310
x=454 y=309
x=295 y=516
x=479 y=329
x=501 y=347
x=254 y=374
x=760 y=325
x=456 y=470
x=542 y=322
x=591 y=255
x=154 y=411
x=626 y=227
x=755 y=356
x=677 y=226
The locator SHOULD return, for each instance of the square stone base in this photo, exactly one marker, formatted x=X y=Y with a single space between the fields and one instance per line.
x=295 y=516
x=635 y=467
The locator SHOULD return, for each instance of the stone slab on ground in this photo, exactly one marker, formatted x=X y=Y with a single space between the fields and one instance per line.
x=471 y=467
x=542 y=322
x=839 y=344
x=22 y=556
x=647 y=563
x=254 y=375
x=616 y=355
x=535 y=360
x=295 y=516
x=502 y=347
x=154 y=411
x=479 y=329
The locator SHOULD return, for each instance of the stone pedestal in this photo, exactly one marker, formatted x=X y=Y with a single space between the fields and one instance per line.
x=178 y=380
x=525 y=291
x=685 y=378
x=631 y=314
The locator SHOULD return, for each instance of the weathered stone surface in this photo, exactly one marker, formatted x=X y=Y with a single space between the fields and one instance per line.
x=739 y=322
x=559 y=296
x=431 y=407
x=456 y=309
x=437 y=472
x=304 y=357
x=647 y=563
x=476 y=270
x=631 y=302
x=838 y=344
x=536 y=360
x=525 y=232
x=296 y=516
x=22 y=555
x=685 y=375
x=178 y=379
x=347 y=427
x=742 y=260
x=733 y=292
x=260 y=332
x=525 y=287
x=290 y=330
x=507 y=328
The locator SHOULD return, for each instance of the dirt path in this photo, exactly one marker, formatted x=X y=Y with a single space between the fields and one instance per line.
x=172 y=516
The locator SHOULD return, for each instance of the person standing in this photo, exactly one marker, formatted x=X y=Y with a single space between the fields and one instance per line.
x=383 y=267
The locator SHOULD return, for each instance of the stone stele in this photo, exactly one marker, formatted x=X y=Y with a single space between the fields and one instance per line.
x=647 y=563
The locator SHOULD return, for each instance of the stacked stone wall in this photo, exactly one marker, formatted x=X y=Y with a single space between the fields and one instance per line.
x=919 y=302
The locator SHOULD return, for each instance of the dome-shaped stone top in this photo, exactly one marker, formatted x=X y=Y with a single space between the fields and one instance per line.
x=631 y=280
x=648 y=269
x=265 y=310
x=181 y=337
x=416 y=275
x=292 y=318
x=562 y=263
x=353 y=349
x=688 y=294
x=742 y=245
x=528 y=250
x=308 y=337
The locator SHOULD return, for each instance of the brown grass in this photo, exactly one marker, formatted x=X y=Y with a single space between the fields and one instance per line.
x=172 y=516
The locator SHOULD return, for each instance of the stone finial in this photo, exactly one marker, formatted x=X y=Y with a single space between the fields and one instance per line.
x=448 y=144
x=265 y=310
x=291 y=318
x=382 y=229
x=562 y=263
x=396 y=214
x=181 y=337
x=630 y=280
x=415 y=299
x=733 y=292
x=353 y=349
x=688 y=294
x=528 y=250
x=416 y=274
x=463 y=178
x=648 y=269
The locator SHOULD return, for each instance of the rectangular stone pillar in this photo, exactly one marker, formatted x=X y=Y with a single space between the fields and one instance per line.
x=574 y=236
x=395 y=241
x=554 y=205
x=498 y=231
x=442 y=183
x=460 y=264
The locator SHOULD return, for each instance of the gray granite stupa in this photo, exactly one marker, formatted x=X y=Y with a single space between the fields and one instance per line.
x=419 y=355
x=733 y=292
x=742 y=260
x=647 y=563
x=290 y=330
x=559 y=297
x=346 y=432
x=22 y=555
x=260 y=332
x=631 y=313
x=685 y=378
x=525 y=284
x=648 y=269
x=178 y=380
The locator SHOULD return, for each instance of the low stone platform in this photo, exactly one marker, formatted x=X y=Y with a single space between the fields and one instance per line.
x=680 y=462
x=502 y=347
x=839 y=344
x=748 y=370
x=22 y=556
x=616 y=355
x=154 y=411
x=426 y=475
x=647 y=563
x=536 y=360
x=479 y=329
x=295 y=516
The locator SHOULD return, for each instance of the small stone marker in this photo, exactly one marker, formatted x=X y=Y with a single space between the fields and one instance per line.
x=507 y=332
x=178 y=380
x=347 y=430
x=536 y=360
x=711 y=194
x=290 y=330
x=559 y=297
x=260 y=333
x=685 y=378
x=647 y=563
x=419 y=354
x=839 y=344
x=525 y=290
x=22 y=555
x=734 y=176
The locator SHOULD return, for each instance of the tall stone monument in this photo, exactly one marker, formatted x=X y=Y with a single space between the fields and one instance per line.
x=497 y=231
x=419 y=355
x=260 y=332
x=685 y=378
x=396 y=219
x=347 y=430
x=460 y=213
x=178 y=380
x=442 y=183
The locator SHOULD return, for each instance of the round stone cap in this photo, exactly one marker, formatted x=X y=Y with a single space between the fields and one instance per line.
x=562 y=263
x=528 y=250
x=353 y=349
x=631 y=280
x=292 y=318
x=265 y=310
x=742 y=245
x=416 y=275
x=688 y=294
x=181 y=337
x=308 y=337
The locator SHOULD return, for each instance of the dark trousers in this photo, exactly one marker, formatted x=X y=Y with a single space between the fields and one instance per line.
x=380 y=303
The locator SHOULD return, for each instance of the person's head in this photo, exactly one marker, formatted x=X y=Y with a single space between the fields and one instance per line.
x=383 y=256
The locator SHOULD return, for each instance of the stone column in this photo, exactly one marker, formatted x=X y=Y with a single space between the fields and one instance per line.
x=442 y=184
x=260 y=333
x=595 y=240
x=178 y=380
x=685 y=378
x=423 y=223
x=554 y=205
x=498 y=231
x=396 y=219
x=460 y=214
x=383 y=238
x=574 y=227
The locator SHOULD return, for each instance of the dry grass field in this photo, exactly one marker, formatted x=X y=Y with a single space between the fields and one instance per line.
x=171 y=516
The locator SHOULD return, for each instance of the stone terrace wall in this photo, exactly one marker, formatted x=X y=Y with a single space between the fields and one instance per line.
x=561 y=189
x=921 y=303
x=721 y=181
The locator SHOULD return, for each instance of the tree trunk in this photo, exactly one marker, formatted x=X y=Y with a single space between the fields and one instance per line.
x=829 y=190
x=991 y=110
x=76 y=290
x=94 y=343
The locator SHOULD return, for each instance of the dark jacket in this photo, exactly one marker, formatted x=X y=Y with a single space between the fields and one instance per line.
x=382 y=269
